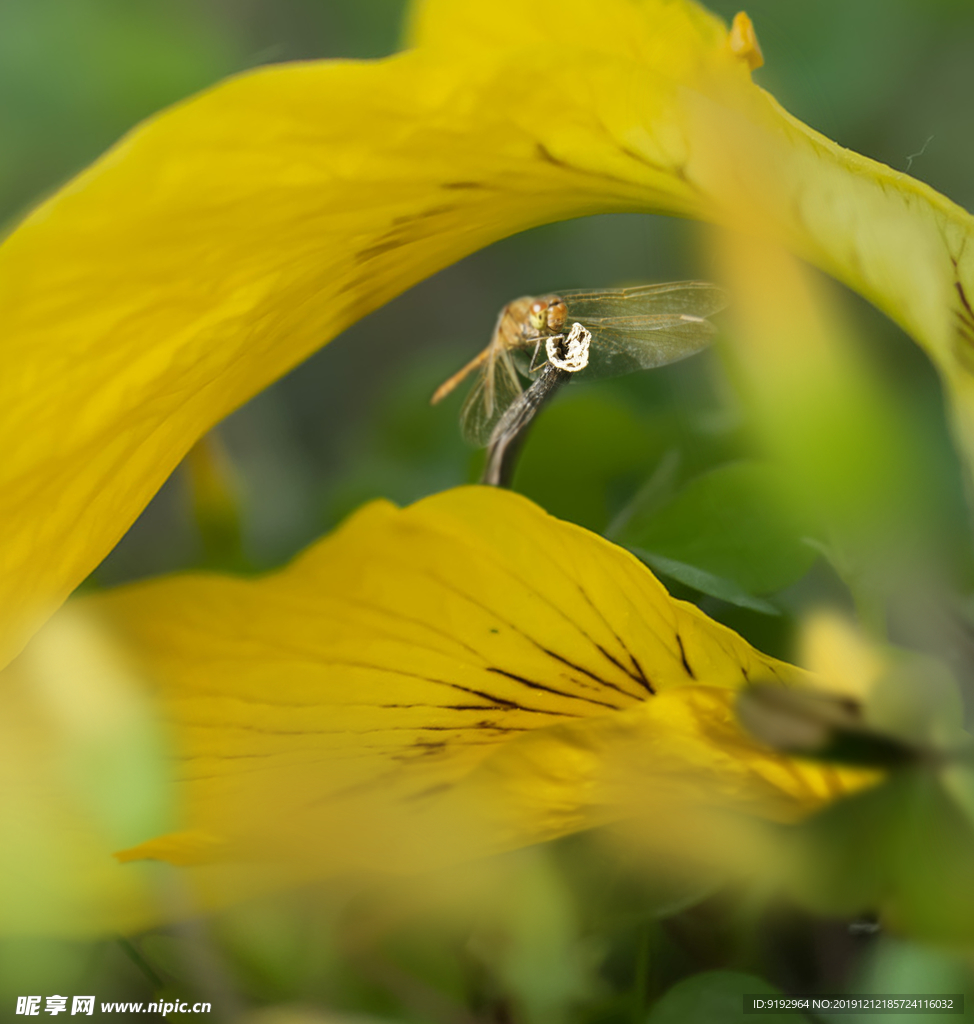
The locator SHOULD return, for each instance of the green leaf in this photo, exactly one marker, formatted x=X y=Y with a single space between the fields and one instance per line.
x=715 y=997
x=731 y=523
x=703 y=581
x=900 y=966
x=579 y=449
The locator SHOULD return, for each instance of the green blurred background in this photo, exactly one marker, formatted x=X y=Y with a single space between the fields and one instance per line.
x=654 y=460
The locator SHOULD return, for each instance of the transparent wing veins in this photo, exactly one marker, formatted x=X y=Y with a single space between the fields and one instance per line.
x=496 y=386
x=693 y=298
x=637 y=328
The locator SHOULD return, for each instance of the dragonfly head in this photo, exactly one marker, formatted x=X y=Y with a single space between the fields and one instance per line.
x=548 y=315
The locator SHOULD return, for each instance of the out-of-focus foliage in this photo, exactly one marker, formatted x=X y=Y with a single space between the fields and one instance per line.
x=730 y=522
x=712 y=997
x=677 y=465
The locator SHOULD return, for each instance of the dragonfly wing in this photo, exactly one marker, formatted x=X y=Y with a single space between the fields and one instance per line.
x=624 y=344
x=496 y=386
x=693 y=298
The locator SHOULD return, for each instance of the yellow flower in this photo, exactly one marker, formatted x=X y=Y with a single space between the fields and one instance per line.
x=222 y=242
x=227 y=238
x=427 y=685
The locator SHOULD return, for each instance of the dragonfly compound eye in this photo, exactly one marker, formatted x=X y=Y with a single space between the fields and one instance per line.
x=557 y=314
x=538 y=314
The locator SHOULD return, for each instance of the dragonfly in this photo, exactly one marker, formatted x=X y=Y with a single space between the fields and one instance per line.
x=635 y=328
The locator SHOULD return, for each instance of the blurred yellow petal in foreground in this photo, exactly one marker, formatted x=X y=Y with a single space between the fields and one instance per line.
x=83 y=769
x=227 y=238
x=456 y=678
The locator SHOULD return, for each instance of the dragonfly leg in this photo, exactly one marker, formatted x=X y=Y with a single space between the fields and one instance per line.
x=535 y=365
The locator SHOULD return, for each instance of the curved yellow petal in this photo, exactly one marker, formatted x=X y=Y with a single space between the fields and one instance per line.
x=893 y=239
x=230 y=236
x=226 y=239
x=461 y=676
x=744 y=159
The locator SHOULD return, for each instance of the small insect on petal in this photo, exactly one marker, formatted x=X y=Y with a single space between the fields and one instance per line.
x=743 y=41
x=571 y=353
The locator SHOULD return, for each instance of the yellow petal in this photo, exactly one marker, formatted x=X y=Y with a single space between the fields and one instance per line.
x=841 y=656
x=682 y=749
x=743 y=41
x=462 y=676
x=229 y=237
x=887 y=236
